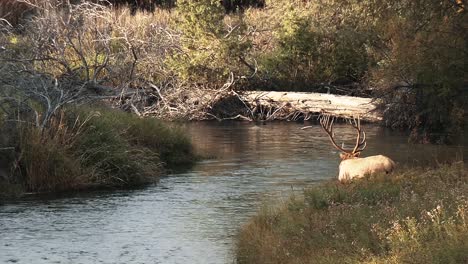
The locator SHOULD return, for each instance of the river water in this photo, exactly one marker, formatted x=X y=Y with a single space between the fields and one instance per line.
x=191 y=217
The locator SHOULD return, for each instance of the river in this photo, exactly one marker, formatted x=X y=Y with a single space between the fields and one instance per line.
x=191 y=217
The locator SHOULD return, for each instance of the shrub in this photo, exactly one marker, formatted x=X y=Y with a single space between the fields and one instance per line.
x=94 y=44
x=315 y=43
x=208 y=52
x=167 y=141
x=103 y=147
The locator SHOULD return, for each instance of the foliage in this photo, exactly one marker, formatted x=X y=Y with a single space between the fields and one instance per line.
x=316 y=43
x=416 y=216
x=167 y=141
x=408 y=54
x=411 y=54
x=209 y=52
x=150 y=5
x=91 y=44
x=420 y=71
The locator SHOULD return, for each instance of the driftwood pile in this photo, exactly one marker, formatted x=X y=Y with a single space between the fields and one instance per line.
x=226 y=104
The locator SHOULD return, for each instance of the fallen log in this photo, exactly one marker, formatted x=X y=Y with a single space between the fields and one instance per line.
x=226 y=104
x=294 y=105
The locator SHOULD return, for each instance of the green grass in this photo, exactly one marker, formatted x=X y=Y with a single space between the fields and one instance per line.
x=413 y=216
x=167 y=140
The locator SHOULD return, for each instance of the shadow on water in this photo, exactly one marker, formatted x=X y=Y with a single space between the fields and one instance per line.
x=191 y=217
x=100 y=193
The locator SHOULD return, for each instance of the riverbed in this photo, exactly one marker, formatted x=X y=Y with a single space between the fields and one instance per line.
x=192 y=216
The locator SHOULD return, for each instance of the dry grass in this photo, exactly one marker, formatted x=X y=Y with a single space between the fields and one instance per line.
x=94 y=42
x=47 y=164
x=92 y=147
x=416 y=216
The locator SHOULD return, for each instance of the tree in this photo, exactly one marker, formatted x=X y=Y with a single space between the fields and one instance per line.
x=421 y=67
x=209 y=50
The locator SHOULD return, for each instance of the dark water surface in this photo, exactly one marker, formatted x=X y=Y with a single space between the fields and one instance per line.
x=190 y=217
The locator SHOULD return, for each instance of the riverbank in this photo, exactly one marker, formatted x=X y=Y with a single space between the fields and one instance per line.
x=416 y=215
x=89 y=148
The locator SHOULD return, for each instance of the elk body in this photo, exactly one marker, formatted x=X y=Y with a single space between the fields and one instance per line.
x=359 y=167
x=352 y=166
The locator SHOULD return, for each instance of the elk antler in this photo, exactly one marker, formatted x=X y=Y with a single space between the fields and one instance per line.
x=360 y=144
x=326 y=121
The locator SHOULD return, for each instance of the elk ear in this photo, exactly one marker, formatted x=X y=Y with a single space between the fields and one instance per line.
x=357 y=154
x=343 y=156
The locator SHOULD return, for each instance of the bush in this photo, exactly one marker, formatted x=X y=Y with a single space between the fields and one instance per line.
x=411 y=54
x=167 y=141
x=314 y=44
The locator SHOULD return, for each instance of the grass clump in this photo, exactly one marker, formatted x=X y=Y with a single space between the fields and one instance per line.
x=414 y=216
x=168 y=142
x=47 y=165
x=91 y=147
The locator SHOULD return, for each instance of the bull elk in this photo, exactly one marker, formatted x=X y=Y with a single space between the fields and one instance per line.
x=352 y=166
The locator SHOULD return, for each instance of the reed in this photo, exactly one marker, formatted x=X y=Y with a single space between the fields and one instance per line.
x=46 y=164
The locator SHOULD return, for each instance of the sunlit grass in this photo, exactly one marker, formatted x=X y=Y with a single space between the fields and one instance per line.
x=167 y=140
x=93 y=147
x=414 y=216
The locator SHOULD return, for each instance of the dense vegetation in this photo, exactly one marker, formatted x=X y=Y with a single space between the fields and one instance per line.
x=414 y=216
x=409 y=54
x=53 y=136
x=151 y=5
x=88 y=147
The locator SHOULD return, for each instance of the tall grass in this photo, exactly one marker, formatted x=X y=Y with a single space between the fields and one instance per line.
x=415 y=216
x=167 y=141
x=95 y=147
x=46 y=164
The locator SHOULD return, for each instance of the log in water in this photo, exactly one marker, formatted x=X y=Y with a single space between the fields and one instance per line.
x=308 y=104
